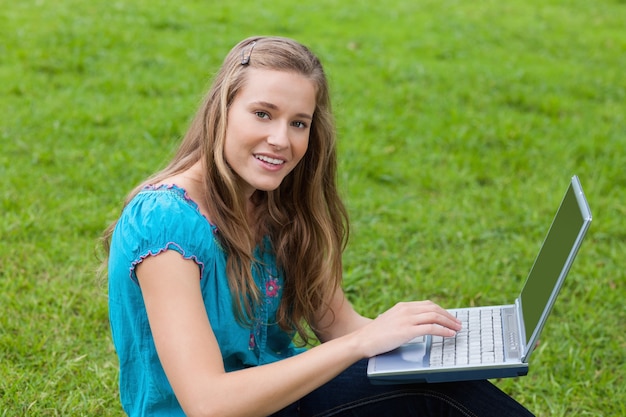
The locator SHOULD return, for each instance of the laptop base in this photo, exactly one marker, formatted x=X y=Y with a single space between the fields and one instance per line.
x=451 y=376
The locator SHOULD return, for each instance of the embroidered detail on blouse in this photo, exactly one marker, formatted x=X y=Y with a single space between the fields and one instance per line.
x=272 y=283
x=271 y=287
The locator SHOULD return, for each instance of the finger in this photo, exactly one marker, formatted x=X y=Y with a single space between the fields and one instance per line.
x=436 y=330
x=438 y=318
x=430 y=306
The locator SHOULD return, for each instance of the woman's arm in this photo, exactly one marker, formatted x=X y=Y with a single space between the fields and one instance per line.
x=338 y=319
x=402 y=323
x=192 y=361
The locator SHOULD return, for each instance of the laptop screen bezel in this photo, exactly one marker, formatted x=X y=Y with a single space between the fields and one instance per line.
x=586 y=218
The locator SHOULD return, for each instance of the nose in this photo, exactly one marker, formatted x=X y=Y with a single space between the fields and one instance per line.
x=279 y=136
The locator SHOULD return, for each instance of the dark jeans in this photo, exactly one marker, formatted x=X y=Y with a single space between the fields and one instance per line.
x=351 y=394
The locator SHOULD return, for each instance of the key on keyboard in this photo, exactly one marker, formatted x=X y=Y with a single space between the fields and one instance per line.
x=479 y=341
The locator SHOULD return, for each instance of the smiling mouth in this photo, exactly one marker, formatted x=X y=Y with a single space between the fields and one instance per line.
x=269 y=160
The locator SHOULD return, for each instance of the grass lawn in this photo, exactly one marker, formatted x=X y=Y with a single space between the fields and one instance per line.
x=460 y=126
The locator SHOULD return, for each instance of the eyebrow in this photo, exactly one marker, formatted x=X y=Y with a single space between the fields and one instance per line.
x=275 y=107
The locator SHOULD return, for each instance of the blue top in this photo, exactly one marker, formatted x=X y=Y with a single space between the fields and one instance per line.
x=164 y=218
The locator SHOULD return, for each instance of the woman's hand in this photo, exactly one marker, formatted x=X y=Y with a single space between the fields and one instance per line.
x=403 y=322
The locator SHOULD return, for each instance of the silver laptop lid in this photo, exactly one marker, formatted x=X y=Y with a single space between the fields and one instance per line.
x=553 y=263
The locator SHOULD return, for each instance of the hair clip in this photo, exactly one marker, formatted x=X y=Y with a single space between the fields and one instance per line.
x=245 y=58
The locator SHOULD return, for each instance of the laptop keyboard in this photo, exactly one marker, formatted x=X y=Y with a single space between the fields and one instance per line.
x=478 y=342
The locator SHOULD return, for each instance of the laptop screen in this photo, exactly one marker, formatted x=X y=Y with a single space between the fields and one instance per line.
x=554 y=260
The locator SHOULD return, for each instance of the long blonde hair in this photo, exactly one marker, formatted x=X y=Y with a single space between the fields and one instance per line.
x=304 y=218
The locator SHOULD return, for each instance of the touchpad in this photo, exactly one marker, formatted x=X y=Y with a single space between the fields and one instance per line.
x=409 y=356
x=413 y=352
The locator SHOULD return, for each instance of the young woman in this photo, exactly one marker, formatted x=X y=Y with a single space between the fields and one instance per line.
x=218 y=260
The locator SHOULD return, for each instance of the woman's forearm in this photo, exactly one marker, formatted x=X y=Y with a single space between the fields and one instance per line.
x=265 y=389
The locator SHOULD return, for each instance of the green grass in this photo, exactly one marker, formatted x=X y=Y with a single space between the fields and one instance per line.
x=447 y=112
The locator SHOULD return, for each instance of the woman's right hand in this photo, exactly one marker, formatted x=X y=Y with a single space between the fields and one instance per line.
x=403 y=322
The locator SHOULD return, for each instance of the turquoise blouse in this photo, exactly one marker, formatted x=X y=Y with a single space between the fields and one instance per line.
x=164 y=218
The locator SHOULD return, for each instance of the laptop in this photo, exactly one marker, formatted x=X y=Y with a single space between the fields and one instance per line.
x=497 y=341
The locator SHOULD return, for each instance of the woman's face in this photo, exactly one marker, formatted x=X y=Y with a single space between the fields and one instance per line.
x=268 y=128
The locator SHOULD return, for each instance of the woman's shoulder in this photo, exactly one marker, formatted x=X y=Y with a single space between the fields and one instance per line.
x=160 y=214
x=168 y=199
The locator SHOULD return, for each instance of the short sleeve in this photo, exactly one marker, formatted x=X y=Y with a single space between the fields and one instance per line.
x=158 y=220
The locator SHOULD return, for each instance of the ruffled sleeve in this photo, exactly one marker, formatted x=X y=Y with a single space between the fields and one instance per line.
x=157 y=220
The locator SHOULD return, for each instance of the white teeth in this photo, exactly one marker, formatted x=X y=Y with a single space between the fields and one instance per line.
x=269 y=160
